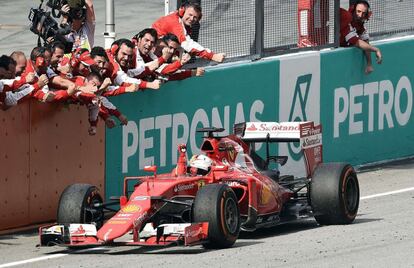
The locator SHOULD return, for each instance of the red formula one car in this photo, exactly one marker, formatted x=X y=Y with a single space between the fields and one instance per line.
x=212 y=197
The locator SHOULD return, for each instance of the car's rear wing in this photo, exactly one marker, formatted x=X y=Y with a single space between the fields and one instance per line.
x=307 y=133
x=277 y=132
x=268 y=131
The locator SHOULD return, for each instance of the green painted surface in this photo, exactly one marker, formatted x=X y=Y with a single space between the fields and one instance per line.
x=376 y=124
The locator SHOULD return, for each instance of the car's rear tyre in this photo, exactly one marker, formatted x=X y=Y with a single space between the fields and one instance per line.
x=217 y=204
x=334 y=193
x=77 y=205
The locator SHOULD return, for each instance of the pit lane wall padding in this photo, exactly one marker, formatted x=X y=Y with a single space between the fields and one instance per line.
x=43 y=149
x=365 y=118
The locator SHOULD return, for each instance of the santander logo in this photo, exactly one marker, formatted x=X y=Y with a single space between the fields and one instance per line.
x=252 y=128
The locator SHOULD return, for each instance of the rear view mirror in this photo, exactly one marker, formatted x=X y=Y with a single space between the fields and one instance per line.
x=151 y=169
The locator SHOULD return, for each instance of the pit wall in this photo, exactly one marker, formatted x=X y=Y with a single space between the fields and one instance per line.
x=43 y=149
x=365 y=118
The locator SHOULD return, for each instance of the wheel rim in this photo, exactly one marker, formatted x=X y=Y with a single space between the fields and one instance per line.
x=351 y=195
x=92 y=213
x=231 y=215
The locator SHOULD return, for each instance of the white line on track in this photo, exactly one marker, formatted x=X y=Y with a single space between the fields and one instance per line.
x=10 y=264
x=53 y=256
x=388 y=193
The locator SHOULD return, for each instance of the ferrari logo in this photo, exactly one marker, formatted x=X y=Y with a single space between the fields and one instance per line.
x=201 y=183
x=231 y=152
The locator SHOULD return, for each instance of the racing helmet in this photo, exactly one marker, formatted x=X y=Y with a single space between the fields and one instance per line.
x=200 y=164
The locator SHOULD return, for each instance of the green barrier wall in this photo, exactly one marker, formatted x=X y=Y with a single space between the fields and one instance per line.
x=368 y=118
x=365 y=118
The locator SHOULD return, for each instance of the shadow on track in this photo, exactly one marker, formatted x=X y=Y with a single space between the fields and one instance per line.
x=245 y=239
x=280 y=230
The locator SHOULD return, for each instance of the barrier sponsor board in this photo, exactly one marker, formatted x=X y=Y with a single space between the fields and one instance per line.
x=367 y=118
x=299 y=101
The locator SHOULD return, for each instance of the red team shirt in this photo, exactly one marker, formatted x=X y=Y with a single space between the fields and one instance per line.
x=351 y=31
x=172 y=23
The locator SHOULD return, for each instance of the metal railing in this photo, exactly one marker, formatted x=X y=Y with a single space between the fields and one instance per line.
x=390 y=18
x=251 y=29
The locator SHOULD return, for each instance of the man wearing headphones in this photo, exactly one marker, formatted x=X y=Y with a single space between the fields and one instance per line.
x=353 y=32
x=121 y=56
x=145 y=63
x=172 y=68
x=180 y=23
x=61 y=88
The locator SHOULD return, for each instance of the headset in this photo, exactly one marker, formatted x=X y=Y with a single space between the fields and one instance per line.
x=187 y=4
x=116 y=45
x=142 y=33
x=39 y=59
x=181 y=11
x=114 y=49
x=40 y=62
x=367 y=14
x=76 y=55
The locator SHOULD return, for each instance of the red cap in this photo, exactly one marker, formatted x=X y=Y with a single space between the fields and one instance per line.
x=85 y=59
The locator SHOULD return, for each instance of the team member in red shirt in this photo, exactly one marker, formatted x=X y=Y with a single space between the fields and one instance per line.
x=172 y=68
x=180 y=23
x=144 y=62
x=12 y=88
x=353 y=32
x=107 y=65
x=97 y=104
x=45 y=78
x=21 y=61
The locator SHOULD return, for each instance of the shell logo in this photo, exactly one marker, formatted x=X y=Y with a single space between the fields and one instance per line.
x=131 y=209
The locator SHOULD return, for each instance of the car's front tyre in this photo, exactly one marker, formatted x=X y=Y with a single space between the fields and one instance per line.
x=217 y=204
x=77 y=205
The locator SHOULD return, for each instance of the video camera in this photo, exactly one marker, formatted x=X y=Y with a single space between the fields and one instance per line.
x=45 y=26
x=77 y=8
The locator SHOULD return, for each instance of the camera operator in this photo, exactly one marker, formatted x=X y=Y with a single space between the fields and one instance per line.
x=82 y=21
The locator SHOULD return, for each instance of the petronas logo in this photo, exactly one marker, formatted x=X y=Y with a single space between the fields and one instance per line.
x=298 y=109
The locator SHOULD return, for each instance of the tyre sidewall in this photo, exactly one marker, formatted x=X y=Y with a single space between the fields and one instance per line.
x=209 y=207
x=73 y=201
x=328 y=193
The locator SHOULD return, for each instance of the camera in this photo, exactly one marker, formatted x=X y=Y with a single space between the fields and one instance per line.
x=43 y=25
x=77 y=8
x=43 y=22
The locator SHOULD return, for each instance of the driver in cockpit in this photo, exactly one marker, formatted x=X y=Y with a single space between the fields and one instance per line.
x=200 y=165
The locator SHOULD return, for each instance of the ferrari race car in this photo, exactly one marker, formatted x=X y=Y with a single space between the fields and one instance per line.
x=237 y=190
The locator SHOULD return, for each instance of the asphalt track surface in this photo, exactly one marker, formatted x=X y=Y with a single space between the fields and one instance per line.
x=381 y=236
